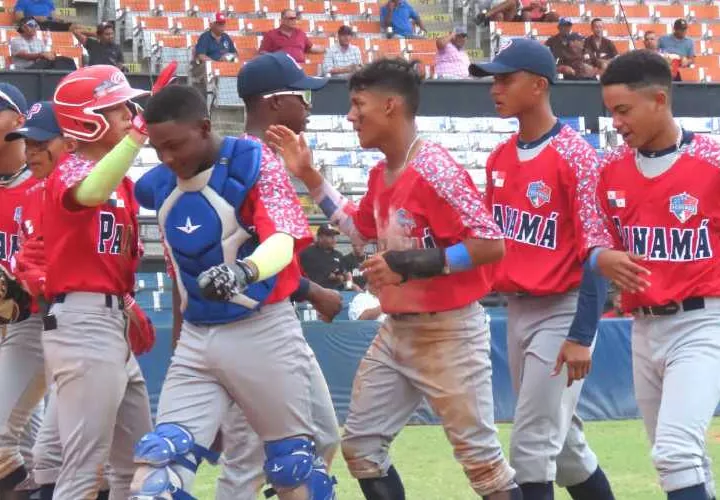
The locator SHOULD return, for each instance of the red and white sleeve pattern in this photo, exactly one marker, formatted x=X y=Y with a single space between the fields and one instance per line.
x=279 y=198
x=453 y=184
x=74 y=169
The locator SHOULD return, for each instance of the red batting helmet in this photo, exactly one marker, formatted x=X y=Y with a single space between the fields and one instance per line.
x=81 y=94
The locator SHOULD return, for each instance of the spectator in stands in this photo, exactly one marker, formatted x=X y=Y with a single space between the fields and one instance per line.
x=599 y=49
x=354 y=278
x=288 y=38
x=572 y=64
x=496 y=10
x=342 y=59
x=536 y=11
x=44 y=13
x=452 y=61
x=559 y=44
x=679 y=44
x=399 y=15
x=215 y=44
x=320 y=261
x=28 y=50
x=100 y=45
x=651 y=43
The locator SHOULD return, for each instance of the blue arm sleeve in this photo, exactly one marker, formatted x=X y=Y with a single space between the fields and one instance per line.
x=591 y=302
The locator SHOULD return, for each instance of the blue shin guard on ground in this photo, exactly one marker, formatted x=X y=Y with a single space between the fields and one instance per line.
x=291 y=463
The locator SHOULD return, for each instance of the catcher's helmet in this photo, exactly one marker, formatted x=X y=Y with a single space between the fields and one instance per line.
x=82 y=93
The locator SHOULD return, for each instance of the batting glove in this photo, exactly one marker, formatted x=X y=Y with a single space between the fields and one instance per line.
x=225 y=281
x=165 y=78
x=141 y=332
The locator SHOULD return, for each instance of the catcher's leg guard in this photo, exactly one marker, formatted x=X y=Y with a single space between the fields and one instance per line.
x=291 y=463
x=171 y=445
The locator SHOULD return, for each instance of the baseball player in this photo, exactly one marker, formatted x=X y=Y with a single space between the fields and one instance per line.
x=22 y=379
x=659 y=194
x=434 y=234
x=232 y=223
x=45 y=146
x=90 y=214
x=541 y=186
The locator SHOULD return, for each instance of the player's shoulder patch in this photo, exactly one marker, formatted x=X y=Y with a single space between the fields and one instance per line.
x=73 y=169
x=704 y=148
x=574 y=149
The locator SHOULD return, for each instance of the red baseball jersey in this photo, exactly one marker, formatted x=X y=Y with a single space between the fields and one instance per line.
x=13 y=211
x=89 y=249
x=672 y=220
x=434 y=203
x=547 y=209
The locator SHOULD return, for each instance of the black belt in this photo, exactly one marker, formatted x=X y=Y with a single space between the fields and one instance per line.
x=402 y=316
x=60 y=298
x=689 y=304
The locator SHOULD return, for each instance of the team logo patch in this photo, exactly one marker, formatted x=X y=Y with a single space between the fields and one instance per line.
x=405 y=219
x=683 y=206
x=498 y=179
x=35 y=109
x=504 y=44
x=114 y=83
x=616 y=199
x=538 y=193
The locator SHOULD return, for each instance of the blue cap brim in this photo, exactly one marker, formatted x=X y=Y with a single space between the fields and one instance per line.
x=32 y=133
x=309 y=83
x=490 y=68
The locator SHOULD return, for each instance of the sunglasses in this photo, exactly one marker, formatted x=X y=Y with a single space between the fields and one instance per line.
x=306 y=95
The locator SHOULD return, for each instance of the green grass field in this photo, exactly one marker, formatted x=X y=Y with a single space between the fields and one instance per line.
x=424 y=459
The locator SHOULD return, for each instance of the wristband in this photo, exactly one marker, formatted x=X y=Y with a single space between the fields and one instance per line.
x=302 y=291
x=416 y=264
x=458 y=258
x=250 y=275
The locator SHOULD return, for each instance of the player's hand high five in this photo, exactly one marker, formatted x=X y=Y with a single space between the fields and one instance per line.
x=623 y=270
x=295 y=153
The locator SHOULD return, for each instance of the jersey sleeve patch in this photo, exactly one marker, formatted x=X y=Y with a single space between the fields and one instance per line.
x=583 y=160
x=279 y=197
x=453 y=184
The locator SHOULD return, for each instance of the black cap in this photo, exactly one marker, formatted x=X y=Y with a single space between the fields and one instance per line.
x=327 y=230
x=680 y=24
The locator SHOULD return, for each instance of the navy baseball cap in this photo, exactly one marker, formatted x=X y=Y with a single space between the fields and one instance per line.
x=12 y=98
x=519 y=54
x=40 y=124
x=564 y=21
x=273 y=72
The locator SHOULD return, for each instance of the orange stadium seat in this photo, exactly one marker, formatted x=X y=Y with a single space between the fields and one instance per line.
x=697 y=45
x=329 y=26
x=61 y=38
x=673 y=10
x=274 y=5
x=178 y=6
x=419 y=45
x=387 y=46
x=4 y=50
x=155 y=23
x=222 y=68
x=71 y=52
x=246 y=42
x=243 y=6
x=691 y=74
x=710 y=47
x=231 y=23
x=659 y=28
x=191 y=23
x=707 y=61
x=320 y=41
x=314 y=58
x=205 y=6
x=615 y=29
x=367 y=26
x=172 y=41
x=245 y=54
x=545 y=29
x=346 y=8
x=134 y=5
x=704 y=12
x=428 y=59
x=311 y=7
x=303 y=25
x=696 y=30
x=7 y=19
x=603 y=10
x=510 y=29
x=636 y=10
x=712 y=74
x=582 y=28
x=565 y=9
x=624 y=45
x=311 y=69
x=261 y=25
x=9 y=4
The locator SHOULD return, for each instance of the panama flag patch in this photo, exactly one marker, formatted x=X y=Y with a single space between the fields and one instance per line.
x=498 y=179
x=616 y=199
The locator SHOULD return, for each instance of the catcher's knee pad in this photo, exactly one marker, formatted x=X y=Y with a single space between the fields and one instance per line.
x=292 y=463
x=169 y=445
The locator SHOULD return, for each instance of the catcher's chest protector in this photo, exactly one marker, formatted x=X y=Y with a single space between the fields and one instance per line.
x=200 y=222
